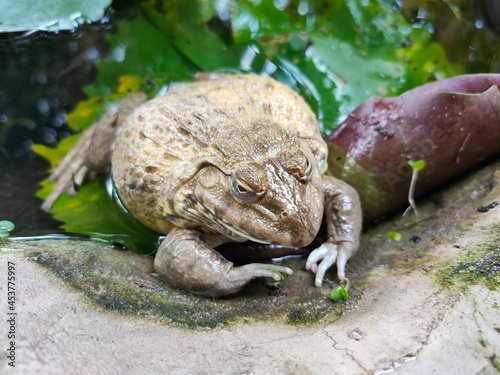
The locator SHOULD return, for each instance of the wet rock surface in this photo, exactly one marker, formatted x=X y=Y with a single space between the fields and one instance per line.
x=428 y=303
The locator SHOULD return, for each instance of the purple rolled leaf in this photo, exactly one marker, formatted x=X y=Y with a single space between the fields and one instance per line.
x=452 y=124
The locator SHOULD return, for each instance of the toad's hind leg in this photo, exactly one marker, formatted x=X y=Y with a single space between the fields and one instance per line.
x=186 y=259
x=92 y=151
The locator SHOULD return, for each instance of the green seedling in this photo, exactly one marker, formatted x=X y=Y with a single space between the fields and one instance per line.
x=274 y=283
x=6 y=227
x=416 y=166
x=339 y=293
x=394 y=236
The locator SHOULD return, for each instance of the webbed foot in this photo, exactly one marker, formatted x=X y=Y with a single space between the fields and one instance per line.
x=325 y=256
x=343 y=222
x=237 y=277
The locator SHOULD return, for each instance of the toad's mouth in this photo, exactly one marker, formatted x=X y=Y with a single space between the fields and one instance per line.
x=236 y=234
x=205 y=216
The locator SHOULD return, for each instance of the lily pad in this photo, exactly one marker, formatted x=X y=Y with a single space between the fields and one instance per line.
x=53 y=15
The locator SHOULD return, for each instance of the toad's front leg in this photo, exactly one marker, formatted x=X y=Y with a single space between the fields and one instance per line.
x=343 y=220
x=186 y=259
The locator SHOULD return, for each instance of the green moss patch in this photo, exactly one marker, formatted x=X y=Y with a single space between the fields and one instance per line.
x=479 y=265
x=126 y=283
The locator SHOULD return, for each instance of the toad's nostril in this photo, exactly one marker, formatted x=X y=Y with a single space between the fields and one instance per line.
x=283 y=215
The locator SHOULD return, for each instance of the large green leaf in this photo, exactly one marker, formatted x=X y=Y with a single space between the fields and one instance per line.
x=139 y=49
x=97 y=213
x=340 y=53
x=52 y=15
x=184 y=24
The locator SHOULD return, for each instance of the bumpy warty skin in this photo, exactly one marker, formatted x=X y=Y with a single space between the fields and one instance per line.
x=177 y=152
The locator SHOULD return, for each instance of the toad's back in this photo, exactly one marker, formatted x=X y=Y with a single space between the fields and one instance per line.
x=226 y=117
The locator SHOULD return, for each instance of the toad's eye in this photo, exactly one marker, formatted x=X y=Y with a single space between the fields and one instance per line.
x=321 y=160
x=297 y=164
x=248 y=182
x=243 y=191
x=309 y=168
x=322 y=164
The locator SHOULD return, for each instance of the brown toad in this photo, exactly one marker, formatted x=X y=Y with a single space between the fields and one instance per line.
x=227 y=158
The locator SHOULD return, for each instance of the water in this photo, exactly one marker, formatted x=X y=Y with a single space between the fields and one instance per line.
x=37 y=90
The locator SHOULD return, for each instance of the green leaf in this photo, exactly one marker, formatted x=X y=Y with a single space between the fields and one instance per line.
x=53 y=15
x=338 y=53
x=252 y=20
x=417 y=165
x=97 y=213
x=7 y=226
x=394 y=236
x=184 y=25
x=339 y=293
x=140 y=49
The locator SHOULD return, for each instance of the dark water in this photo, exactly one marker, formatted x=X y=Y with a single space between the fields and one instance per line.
x=42 y=77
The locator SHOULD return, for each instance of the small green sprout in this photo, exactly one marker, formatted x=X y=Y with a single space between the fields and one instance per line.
x=339 y=293
x=416 y=166
x=394 y=236
x=274 y=283
x=6 y=227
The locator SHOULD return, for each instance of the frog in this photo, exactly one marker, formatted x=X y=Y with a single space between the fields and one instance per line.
x=224 y=158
